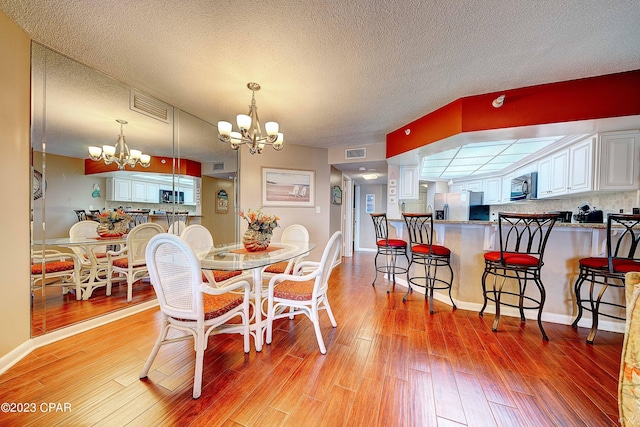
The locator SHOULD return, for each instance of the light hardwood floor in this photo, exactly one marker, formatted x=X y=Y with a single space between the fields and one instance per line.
x=388 y=363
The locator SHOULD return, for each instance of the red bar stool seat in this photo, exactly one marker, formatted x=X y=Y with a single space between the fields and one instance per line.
x=430 y=256
x=523 y=238
x=391 y=249
x=604 y=272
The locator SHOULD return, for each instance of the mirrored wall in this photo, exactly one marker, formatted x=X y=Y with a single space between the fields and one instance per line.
x=74 y=107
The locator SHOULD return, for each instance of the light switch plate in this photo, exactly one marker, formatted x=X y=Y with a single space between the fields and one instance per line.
x=317 y=209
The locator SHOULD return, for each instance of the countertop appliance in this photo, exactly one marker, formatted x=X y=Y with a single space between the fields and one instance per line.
x=587 y=214
x=564 y=216
x=524 y=187
x=457 y=206
x=168 y=196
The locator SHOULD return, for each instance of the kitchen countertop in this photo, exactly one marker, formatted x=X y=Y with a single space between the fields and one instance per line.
x=558 y=224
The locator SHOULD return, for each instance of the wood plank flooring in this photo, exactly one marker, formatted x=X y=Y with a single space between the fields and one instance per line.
x=388 y=363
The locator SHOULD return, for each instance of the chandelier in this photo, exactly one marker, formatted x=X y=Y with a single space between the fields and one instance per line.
x=120 y=153
x=250 y=133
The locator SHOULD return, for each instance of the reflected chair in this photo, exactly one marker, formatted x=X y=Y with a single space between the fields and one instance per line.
x=93 y=265
x=304 y=293
x=54 y=268
x=138 y=217
x=523 y=238
x=391 y=249
x=94 y=213
x=190 y=306
x=129 y=261
x=430 y=256
x=81 y=214
x=604 y=272
x=176 y=222
x=200 y=241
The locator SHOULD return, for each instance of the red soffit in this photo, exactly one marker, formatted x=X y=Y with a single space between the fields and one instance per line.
x=612 y=95
x=158 y=165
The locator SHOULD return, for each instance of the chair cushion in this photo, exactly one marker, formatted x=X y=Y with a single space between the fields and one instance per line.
x=121 y=262
x=512 y=258
x=222 y=275
x=52 y=267
x=602 y=263
x=297 y=291
x=217 y=305
x=396 y=243
x=277 y=268
x=433 y=249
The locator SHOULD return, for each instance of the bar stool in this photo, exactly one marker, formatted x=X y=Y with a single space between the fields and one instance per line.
x=430 y=256
x=603 y=272
x=390 y=248
x=523 y=238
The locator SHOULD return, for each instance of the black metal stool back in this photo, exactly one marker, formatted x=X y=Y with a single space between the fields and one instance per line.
x=523 y=238
x=426 y=253
x=604 y=272
x=81 y=214
x=390 y=248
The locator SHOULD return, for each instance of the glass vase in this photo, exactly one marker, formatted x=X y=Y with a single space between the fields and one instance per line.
x=254 y=240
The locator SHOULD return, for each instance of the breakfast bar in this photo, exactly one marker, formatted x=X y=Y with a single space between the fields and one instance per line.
x=567 y=244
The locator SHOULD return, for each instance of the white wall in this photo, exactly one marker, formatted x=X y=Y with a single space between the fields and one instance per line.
x=15 y=110
x=296 y=157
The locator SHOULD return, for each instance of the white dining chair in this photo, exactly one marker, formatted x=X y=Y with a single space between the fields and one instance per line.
x=293 y=233
x=200 y=240
x=54 y=268
x=304 y=293
x=130 y=261
x=94 y=264
x=176 y=227
x=189 y=305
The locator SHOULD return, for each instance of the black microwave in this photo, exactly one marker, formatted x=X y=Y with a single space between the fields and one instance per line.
x=168 y=196
x=524 y=187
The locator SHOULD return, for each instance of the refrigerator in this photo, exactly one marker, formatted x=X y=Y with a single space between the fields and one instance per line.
x=457 y=206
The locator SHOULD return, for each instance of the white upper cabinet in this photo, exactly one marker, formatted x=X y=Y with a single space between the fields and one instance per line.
x=118 y=190
x=552 y=174
x=145 y=192
x=581 y=166
x=618 y=164
x=505 y=192
x=409 y=182
x=492 y=191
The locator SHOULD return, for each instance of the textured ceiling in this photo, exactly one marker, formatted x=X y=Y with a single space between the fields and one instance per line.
x=335 y=72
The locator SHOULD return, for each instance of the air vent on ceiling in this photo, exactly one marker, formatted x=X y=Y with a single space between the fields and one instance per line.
x=218 y=166
x=355 y=153
x=149 y=106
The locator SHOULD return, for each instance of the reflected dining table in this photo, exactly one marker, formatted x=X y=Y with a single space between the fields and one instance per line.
x=234 y=256
x=93 y=261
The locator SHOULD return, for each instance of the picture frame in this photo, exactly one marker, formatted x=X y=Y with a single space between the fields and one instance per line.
x=222 y=201
x=288 y=187
x=336 y=195
x=370 y=203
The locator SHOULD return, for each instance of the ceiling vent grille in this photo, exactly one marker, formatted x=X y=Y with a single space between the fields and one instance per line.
x=148 y=106
x=218 y=166
x=355 y=153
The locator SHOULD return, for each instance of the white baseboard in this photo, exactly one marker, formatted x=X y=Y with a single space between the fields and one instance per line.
x=17 y=354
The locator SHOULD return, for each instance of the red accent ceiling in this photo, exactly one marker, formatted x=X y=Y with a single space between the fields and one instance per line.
x=183 y=167
x=612 y=95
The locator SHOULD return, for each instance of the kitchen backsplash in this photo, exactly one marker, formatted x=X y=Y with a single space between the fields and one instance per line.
x=607 y=202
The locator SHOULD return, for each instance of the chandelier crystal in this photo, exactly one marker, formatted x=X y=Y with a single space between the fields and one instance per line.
x=120 y=153
x=250 y=133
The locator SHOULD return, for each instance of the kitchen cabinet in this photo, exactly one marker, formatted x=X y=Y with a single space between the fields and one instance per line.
x=568 y=171
x=188 y=195
x=552 y=174
x=409 y=182
x=492 y=191
x=505 y=191
x=118 y=190
x=474 y=185
x=145 y=192
x=618 y=164
x=581 y=167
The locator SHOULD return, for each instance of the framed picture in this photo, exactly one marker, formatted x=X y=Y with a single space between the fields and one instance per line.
x=370 y=203
x=222 y=202
x=288 y=187
x=336 y=195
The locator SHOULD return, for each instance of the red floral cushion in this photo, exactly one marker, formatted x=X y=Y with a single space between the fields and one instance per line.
x=222 y=275
x=396 y=243
x=602 y=263
x=512 y=258
x=52 y=267
x=297 y=291
x=435 y=250
x=217 y=305
x=277 y=268
x=121 y=262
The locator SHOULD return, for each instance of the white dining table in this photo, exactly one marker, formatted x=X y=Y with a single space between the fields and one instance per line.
x=93 y=263
x=234 y=256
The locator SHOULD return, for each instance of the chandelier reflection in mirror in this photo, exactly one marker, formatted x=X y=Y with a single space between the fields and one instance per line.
x=120 y=153
x=250 y=133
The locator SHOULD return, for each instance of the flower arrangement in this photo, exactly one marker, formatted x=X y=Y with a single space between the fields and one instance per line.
x=113 y=223
x=260 y=221
x=110 y=217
